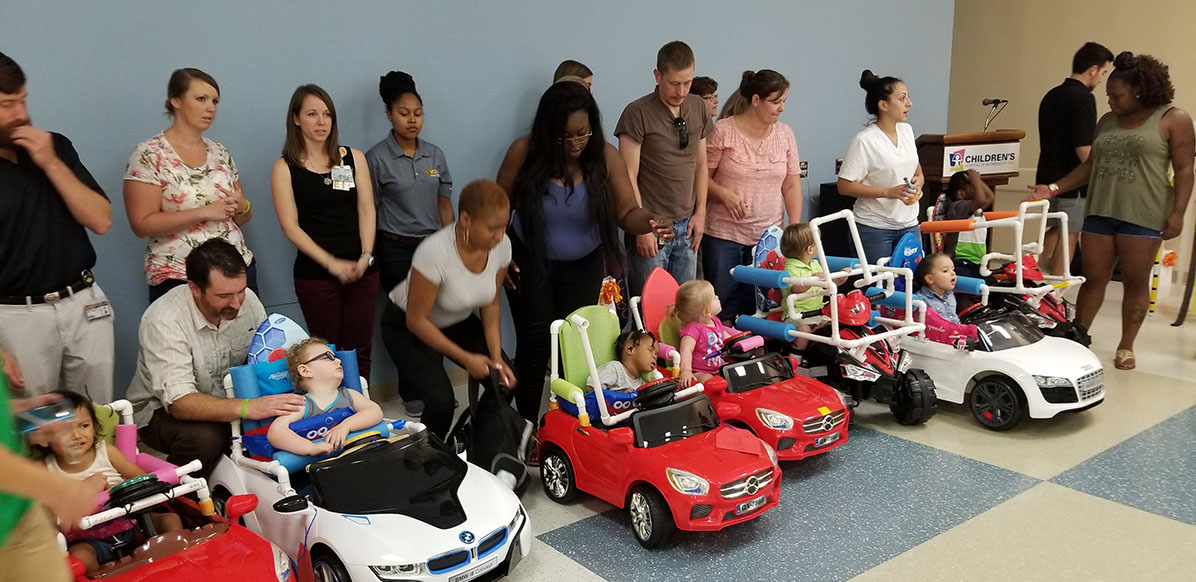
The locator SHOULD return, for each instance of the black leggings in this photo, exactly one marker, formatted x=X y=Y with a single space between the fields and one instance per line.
x=545 y=292
x=421 y=368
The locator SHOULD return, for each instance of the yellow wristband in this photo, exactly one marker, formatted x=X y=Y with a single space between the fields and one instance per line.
x=244 y=408
x=248 y=205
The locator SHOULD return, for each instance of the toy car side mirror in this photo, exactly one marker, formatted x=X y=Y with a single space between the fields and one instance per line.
x=728 y=410
x=239 y=505
x=622 y=436
x=290 y=504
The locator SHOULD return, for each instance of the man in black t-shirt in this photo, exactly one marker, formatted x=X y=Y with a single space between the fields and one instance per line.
x=1066 y=123
x=55 y=322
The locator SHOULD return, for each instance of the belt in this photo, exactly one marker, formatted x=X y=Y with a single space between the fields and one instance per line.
x=407 y=240
x=87 y=281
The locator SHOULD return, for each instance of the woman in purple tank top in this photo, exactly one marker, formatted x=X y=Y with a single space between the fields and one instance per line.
x=570 y=192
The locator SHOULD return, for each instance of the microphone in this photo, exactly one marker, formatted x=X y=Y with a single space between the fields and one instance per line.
x=994 y=101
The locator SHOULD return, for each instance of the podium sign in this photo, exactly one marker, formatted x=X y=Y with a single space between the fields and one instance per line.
x=986 y=158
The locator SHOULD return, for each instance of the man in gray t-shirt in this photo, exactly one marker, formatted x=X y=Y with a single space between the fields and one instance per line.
x=662 y=137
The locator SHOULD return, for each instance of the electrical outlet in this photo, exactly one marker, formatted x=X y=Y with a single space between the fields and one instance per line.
x=805 y=169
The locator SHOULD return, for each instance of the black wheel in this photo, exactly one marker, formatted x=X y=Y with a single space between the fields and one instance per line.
x=997 y=403
x=556 y=473
x=328 y=568
x=651 y=520
x=916 y=401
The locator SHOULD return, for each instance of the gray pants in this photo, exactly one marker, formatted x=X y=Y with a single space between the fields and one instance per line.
x=57 y=346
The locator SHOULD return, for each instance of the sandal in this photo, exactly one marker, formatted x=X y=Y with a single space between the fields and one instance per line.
x=1124 y=360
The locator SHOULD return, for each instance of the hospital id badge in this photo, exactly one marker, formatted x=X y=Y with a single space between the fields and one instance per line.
x=342 y=177
x=97 y=310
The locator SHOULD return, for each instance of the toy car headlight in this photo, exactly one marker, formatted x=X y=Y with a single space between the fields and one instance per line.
x=1040 y=320
x=516 y=521
x=855 y=372
x=772 y=453
x=283 y=569
x=1051 y=381
x=773 y=419
x=903 y=364
x=687 y=482
x=397 y=571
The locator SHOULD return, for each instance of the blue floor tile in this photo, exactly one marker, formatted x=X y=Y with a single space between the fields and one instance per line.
x=841 y=514
x=1154 y=470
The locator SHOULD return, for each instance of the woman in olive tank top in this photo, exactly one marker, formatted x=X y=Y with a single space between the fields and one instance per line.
x=1132 y=204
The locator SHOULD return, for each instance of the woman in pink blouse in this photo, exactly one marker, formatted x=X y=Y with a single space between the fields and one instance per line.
x=755 y=179
x=182 y=188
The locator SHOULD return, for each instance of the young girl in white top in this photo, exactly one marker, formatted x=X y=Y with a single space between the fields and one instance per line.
x=881 y=170
x=82 y=455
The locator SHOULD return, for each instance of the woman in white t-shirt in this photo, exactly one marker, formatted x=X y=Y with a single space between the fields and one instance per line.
x=881 y=170
x=454 y=271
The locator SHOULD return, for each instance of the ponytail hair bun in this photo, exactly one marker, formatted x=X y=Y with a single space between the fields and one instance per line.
x=868 y=79
x=1125 y=60
x=394 y=85
x=878 y=88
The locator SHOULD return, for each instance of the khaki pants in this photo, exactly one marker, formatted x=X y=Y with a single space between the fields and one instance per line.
x=31 y=553
x=56 y=345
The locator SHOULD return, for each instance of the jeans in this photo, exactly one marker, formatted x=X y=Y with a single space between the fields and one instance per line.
x=421 y=367
x=674 y=256
x=879 y=242
x=341 y=314
x=718 y=256
x=546 y=291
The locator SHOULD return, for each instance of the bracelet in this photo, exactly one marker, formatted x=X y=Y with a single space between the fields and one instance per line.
x=244 y=409
x=248 y=205
x=1053 y=188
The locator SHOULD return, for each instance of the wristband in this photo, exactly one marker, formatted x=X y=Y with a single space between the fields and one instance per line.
x=248 y=205
x=1053 y=188
x=244 y=408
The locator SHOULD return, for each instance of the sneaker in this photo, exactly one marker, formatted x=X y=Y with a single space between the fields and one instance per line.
x=414 y=407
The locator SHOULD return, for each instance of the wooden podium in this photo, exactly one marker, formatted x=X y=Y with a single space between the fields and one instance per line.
x=995 y=154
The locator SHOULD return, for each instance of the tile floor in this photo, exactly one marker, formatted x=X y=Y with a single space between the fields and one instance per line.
x=1107 y=494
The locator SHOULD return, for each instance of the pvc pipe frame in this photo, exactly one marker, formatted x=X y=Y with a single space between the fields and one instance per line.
x=187 y=485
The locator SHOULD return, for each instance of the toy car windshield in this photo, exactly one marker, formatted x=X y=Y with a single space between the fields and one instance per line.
x=757 y=373
x=677 y=421
x=1008 y=330
x=416 y=476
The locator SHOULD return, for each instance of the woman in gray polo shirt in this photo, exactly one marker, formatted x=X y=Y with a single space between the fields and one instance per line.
x=412 y=189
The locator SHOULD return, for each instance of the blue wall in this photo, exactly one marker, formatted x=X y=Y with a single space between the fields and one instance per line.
x=97 y=73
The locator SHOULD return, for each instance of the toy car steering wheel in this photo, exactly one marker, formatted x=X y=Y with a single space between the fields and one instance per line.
x=655 y=394
x=136 y=488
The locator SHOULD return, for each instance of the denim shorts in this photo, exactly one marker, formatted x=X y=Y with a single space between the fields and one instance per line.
x=104 y=548
x=1105 y=226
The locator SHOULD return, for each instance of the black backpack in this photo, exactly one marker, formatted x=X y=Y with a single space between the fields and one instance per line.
x=492 y=433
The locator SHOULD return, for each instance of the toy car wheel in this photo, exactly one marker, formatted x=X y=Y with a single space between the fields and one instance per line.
x=916 y=401
x=651 y=520
x=997 y=403
x=556 y=473
x=328 y=568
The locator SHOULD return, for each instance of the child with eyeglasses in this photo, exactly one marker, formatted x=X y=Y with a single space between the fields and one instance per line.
x=316 y=372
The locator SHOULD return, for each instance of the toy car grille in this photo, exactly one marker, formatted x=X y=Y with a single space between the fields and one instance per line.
x=824 y=423
x=449 y=561
x=699 y=511
x=491 y=542
x=1091 y=384
x=747 y=486
x=785 y=443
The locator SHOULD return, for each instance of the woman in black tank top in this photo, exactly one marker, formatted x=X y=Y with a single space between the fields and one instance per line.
x=325 y=205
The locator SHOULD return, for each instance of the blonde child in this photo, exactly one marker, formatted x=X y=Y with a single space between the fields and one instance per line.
x=696 y=310
x=934 y=283
x=317 y=373
x=797 y=244
x=635 y=356
x=84 y=456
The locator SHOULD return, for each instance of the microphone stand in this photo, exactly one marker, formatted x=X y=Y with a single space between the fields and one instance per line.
x=998 y=107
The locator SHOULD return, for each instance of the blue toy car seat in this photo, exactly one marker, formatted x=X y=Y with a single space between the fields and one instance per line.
x=265 y=379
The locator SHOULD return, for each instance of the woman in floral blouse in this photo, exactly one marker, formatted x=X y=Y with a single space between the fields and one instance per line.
x=182 y=188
